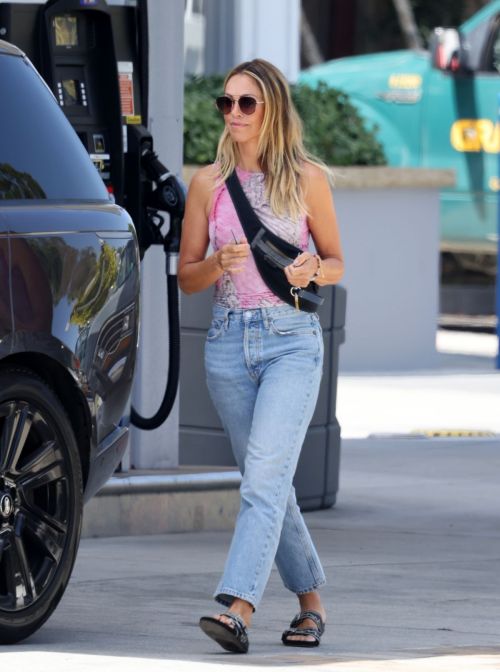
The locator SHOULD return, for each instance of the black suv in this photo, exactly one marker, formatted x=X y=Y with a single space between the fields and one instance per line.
x=69 y=286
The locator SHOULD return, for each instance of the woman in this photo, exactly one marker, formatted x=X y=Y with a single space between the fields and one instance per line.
x=263 y=358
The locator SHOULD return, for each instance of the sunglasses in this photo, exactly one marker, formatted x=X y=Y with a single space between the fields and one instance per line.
x=247 y=104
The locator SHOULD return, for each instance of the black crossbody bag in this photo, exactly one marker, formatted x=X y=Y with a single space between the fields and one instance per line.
x=271 y=253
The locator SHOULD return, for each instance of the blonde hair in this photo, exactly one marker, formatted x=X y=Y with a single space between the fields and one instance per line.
x=280 y=153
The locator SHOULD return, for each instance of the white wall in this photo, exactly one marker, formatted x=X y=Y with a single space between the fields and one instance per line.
x=271 y=30
x=239 y=30
x=390 y=240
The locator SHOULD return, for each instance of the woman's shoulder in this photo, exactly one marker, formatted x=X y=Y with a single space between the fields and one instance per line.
x=316 y=185
x=312 y=171
x=205 y=186
x=316 y=179
x=205 y=177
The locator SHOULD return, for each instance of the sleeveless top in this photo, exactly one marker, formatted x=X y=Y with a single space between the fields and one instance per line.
x=246 y=289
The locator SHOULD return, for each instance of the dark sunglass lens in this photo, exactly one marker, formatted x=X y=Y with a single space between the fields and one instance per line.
x=224 y=104
x=247 y=104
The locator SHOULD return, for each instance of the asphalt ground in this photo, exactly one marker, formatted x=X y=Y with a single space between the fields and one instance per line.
x=461 y=395
x=411 y=553
x=411 y=550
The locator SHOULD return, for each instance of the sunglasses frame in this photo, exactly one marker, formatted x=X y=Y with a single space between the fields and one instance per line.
x=237 y=100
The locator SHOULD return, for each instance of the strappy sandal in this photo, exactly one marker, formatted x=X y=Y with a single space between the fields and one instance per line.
x=295 y=630
x=232 y=638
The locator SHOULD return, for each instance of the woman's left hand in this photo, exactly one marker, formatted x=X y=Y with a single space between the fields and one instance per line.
x=300 y=272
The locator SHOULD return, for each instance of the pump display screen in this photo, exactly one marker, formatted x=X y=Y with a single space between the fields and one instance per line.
x=66 y=30
x=71 y=92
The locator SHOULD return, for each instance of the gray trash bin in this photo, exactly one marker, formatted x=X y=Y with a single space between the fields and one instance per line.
x=202 y=440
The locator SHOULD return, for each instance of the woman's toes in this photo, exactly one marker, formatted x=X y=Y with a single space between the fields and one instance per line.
x=301 y=638
x=229 y=621
x=306 y=624
x=225 y=619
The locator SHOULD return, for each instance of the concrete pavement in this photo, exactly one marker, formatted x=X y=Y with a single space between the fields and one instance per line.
x=411 y=552
x=463 y=393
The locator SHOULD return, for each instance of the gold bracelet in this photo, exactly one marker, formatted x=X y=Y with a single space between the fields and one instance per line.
x=319 y=271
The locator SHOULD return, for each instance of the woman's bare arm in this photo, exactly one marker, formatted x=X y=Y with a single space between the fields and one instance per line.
x=322 y=223
x=196 y=271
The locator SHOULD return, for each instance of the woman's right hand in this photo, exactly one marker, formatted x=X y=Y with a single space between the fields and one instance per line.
x=232 y=256
x=197 y=271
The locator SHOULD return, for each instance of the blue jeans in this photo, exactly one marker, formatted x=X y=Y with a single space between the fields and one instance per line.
x=263 y=370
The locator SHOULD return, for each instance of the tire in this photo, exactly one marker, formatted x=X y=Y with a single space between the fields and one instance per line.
x=40 y=503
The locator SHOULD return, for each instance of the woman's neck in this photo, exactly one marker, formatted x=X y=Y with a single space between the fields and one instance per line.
x=248 y=158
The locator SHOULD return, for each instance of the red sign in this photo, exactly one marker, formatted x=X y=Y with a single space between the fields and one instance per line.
x=126 y=93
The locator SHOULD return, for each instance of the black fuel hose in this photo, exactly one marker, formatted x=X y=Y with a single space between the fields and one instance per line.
x=173 y=362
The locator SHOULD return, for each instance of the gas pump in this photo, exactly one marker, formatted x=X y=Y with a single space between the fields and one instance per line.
x=78 y=60
x=94 y=58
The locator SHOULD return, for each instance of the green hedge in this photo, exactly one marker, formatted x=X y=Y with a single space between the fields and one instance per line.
x=333 y=128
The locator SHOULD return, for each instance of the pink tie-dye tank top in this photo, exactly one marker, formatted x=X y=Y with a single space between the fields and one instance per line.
x=247 y=289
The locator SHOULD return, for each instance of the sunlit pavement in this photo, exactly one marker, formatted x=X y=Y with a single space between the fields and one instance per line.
x=45 y=662
x=461 y=393
x=411 y=552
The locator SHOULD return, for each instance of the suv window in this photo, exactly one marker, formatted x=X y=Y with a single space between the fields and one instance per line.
x=40 y=154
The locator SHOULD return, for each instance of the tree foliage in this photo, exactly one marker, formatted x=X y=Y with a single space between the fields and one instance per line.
x=333 y=129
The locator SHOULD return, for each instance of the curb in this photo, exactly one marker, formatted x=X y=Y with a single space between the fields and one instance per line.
x=163 y=503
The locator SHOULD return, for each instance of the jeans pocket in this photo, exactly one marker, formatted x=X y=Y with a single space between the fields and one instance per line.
x=296 y=324
x=215 y=330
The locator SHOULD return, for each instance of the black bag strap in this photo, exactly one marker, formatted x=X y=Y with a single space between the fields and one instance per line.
x=250 y=223
x=275 y=279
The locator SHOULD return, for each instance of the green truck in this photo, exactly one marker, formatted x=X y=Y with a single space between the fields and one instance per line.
x=439 y=109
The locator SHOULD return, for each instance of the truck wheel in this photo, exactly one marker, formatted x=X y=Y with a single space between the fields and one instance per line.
x=40 y=503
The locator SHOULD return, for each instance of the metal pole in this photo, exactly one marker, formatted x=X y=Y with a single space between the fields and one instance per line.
x=498 y=259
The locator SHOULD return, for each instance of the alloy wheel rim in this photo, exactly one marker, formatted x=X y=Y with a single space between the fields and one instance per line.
x=35 y=503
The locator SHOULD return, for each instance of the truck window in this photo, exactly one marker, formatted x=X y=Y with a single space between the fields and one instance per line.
x=41 y=157
x=476 y=40
x=492 y=55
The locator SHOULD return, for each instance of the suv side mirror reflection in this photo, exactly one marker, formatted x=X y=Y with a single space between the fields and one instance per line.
x=448 y=51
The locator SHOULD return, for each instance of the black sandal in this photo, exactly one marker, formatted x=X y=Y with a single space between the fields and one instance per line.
x=295 y=630
x=232 y=638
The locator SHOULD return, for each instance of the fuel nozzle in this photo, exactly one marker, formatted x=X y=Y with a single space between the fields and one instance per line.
x=170 y=193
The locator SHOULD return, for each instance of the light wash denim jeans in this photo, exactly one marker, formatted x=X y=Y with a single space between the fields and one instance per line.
x=263 y=370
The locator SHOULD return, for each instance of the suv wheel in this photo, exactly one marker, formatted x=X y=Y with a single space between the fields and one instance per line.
x=40 y=503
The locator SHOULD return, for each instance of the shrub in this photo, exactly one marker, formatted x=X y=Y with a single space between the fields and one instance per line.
x=333 y=129
x=202 y=122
